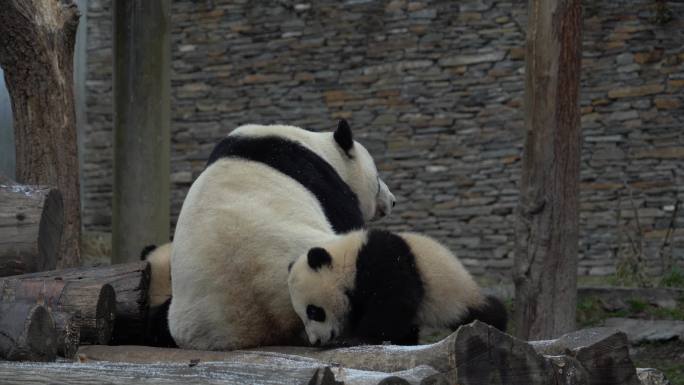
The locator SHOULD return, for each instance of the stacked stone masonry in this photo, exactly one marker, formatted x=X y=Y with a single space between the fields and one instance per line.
x=434 y=90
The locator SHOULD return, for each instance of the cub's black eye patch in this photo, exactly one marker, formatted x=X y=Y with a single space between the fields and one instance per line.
x=315 y=313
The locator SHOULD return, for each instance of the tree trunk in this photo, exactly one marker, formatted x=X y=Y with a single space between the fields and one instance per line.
x=27 y=332
x=30 y=228
x=547 y=229
x=130 y=282
x=142 y=52
x=36 y=53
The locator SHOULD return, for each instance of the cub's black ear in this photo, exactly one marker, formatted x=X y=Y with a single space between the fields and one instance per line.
x=343 y=136
x=318 y=258
x=146 y=251
x=289 y=266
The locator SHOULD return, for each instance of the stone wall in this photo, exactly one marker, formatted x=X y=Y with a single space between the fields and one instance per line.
x=434 y=90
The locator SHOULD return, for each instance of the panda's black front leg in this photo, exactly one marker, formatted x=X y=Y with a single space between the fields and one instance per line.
x=390 y=321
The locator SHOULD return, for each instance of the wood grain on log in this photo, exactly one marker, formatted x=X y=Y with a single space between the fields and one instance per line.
x=474 y=354
x=130 y=282
x=93 y=303
x=27 y=333
x=278 y=370
x=31 y=222
x=603 y=352
x=68 y=333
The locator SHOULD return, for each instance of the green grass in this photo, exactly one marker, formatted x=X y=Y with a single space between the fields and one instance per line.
x=590 y=312
x=664 y=356
x=673 y=278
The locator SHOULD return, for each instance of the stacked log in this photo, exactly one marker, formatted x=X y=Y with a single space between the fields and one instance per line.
x=130 y=282
x=475 y=354
x=90 y=305
x=31 y=223
x=27 y=332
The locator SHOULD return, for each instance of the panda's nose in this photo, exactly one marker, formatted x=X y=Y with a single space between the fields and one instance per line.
x=394 y=203
x=317 y=342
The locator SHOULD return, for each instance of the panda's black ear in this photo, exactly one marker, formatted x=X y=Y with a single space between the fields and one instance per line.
x=318 y=257
x=343 y=136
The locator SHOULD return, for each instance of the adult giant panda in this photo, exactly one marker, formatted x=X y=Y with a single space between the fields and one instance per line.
x=268 y=194
x=374 y=286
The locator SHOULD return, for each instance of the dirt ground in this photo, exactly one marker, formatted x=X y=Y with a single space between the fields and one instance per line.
x=666 y=356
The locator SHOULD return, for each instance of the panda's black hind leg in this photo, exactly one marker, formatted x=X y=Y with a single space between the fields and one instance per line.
x=492 y=312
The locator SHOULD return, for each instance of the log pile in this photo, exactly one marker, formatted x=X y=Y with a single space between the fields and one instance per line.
x=31 y=224
x=98 y=305
x=77 y=312
x=475 y=354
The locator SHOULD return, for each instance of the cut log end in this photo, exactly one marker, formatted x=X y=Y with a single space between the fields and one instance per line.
x=50 y=230
x=28 y=332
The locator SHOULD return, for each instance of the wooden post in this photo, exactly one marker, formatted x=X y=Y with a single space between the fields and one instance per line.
x=548 y=211
x=31 y=224
x=36 y=53
x=140 y=215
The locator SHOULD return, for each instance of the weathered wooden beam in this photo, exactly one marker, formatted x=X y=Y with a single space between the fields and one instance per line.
x=278 y=370
x=129 y=281
x=27 y=333
x=31 y=223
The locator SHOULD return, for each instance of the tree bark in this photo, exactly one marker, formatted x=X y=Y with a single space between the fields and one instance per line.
x=547 y=227
x=27 y=332
x=36 y=53
x=141 y=201
x=130 y=282
x=68 y=333
x=91 y=303
x=31 y=223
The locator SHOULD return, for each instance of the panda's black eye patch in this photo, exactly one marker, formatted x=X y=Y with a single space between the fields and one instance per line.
x=315 y=313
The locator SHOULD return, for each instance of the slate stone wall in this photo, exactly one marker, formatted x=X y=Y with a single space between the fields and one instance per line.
x=434 y=90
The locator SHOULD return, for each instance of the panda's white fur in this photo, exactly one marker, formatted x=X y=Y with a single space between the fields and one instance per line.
x=417 y=281
x=160 y=275
x=241 y=224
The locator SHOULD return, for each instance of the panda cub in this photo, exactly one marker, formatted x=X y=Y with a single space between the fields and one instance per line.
x=158 y=295
x=374 y=286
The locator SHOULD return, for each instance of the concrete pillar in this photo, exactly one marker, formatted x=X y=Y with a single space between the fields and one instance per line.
x=142 y=62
